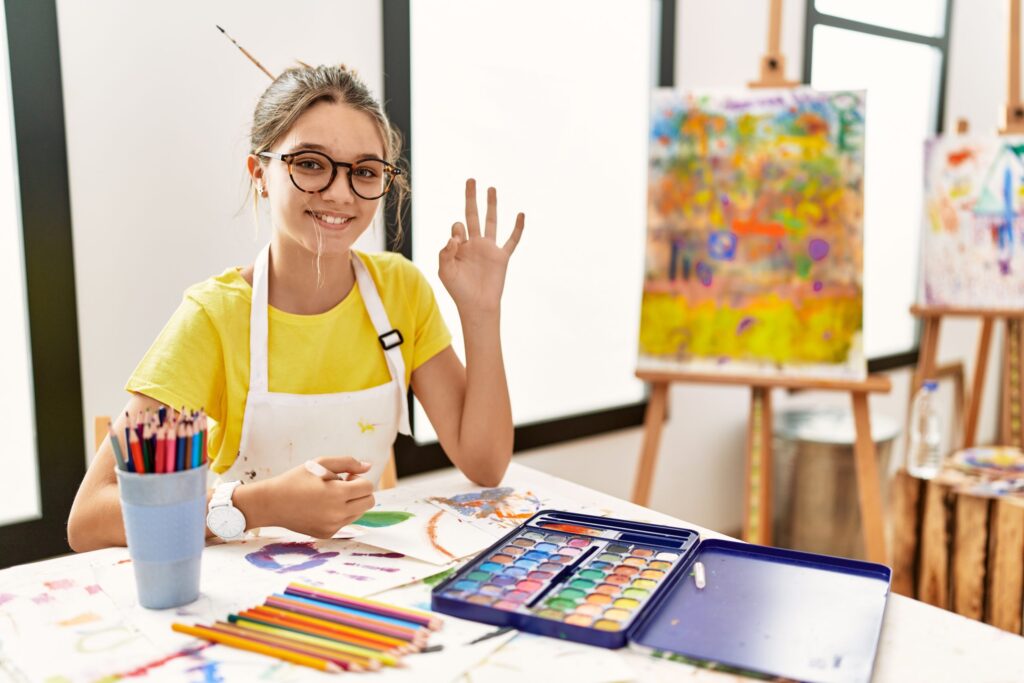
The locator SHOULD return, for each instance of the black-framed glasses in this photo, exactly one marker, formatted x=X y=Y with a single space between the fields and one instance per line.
x=314 y=172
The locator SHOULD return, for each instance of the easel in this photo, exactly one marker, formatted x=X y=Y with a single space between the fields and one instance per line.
x=1011 y=432
x=757 y=517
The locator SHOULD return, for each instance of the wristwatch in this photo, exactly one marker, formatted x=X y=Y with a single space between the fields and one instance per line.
x=223 y=518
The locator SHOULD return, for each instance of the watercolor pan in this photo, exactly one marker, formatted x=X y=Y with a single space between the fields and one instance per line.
x=656 y=606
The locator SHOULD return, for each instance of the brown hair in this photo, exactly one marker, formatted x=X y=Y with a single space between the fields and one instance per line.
x=299 y=88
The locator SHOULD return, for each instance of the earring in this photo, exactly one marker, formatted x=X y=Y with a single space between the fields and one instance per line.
x=262 y=190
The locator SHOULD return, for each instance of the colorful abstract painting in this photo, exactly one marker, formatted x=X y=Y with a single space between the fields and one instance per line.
x=755 y=233
x=974 y=222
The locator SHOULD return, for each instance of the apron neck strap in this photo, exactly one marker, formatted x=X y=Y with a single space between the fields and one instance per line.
x=386 y=335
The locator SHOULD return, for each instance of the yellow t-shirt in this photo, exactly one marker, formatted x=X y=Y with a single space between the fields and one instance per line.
x=201 y=358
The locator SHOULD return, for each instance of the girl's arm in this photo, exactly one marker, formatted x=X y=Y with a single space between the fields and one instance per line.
x=469 y=407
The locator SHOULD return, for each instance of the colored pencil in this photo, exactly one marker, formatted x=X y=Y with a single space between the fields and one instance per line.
x=136 y=450
x=206 y=438
x=179 y=456
x=169 y=443
x=332 y=615
x=115 y=443
x=355 y=653
x=293 y=592
x=369 y=617
x=256 y=646
x=322 y=625
x=354 y=646
x=197 y=448
x=403 y=613
x=339 y=659
x=161 y=447
x=127 y=442
x=146 y=445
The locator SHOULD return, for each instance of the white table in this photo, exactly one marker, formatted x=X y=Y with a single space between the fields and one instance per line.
x=73 y=618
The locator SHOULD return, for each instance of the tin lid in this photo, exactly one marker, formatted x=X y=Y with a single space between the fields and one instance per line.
x=770 y=611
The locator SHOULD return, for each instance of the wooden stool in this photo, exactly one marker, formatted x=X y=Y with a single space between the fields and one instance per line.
x=959 y=551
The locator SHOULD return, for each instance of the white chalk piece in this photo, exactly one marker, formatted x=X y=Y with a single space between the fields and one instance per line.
x=698 y=575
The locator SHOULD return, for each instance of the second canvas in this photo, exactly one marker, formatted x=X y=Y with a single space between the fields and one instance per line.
x=754 y=256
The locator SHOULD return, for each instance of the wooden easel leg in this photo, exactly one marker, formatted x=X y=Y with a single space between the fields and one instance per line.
x=654 y=423
x=868 y=486
x=1011 y=432
x=978 y=383
x=757 y=518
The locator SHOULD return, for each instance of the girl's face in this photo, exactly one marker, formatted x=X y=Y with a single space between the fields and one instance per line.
x=327 y=222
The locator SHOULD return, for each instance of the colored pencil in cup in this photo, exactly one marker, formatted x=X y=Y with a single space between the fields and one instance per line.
x=196 y=446
x=206 y=437
x=383 y=609
x=179 y=456
x=161 y=447
x=256 y=646
x=136 y=450
x=115 y=443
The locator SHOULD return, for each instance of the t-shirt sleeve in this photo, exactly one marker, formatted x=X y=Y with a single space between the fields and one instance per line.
x=185 y=365
x=432 y=335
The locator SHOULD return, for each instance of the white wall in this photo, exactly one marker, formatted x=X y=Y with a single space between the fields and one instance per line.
x=158 y=104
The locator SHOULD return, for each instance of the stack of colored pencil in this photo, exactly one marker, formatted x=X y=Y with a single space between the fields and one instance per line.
x=161 y=442
x=325 y=630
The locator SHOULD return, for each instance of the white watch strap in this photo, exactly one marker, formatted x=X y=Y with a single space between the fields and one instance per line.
x=222 y=494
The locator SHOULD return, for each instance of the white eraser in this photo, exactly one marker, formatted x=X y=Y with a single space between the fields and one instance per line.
x=698 y=574
x=316 y=468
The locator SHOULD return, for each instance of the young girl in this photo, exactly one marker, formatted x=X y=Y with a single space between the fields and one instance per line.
x=307 y=353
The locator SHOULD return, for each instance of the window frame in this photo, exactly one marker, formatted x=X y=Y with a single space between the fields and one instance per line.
x=412 y=457
x=45 y=203
x=814 y=18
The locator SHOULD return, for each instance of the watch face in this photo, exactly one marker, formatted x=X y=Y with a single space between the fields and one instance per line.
x=226 y=521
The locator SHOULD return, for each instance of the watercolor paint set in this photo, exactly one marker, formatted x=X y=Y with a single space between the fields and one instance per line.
x=612 y=582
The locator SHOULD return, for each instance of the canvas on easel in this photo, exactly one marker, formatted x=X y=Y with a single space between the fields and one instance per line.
x=974 y=222
x=754 y=261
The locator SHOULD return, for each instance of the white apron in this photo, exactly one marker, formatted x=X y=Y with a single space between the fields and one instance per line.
x=281 y=431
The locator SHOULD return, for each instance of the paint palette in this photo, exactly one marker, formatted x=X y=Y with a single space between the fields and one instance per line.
x=611 y=582
x=583 y=577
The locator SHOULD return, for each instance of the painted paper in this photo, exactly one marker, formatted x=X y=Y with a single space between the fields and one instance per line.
x=972 y=254
x=755 y=233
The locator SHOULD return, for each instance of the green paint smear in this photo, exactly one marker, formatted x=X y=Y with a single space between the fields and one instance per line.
x=439 y=577
x=382 y=518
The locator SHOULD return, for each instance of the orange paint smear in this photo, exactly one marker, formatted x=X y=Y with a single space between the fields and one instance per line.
x=755 y=228
x=432 y=534
x=571 y=529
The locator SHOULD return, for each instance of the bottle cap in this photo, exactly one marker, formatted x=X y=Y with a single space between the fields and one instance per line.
x=931 y=384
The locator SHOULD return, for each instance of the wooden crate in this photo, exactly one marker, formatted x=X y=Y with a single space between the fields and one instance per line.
x=959 y=551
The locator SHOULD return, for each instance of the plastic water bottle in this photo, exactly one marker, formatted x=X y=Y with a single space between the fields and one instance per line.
x=924 y=457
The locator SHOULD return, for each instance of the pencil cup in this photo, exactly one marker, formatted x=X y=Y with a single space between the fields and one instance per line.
x=165 y=523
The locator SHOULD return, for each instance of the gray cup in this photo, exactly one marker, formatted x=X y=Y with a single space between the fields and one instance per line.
x=165 y=523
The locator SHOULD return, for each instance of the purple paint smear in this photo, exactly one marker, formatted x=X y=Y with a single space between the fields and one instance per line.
x=744 y=324
x=6 y=597
x=266 y=557
x=42 y=598
x=394 y=556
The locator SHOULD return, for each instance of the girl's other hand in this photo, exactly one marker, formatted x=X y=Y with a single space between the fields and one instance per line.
x=319 y=506
x=472 y=265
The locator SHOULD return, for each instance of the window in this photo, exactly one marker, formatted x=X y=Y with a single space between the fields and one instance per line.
x=560 y=130
x=897 y=51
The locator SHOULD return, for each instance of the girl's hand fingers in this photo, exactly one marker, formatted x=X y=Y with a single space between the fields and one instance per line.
x=459 y=232
x=517 y=232
x=447 y=254
x=472 y=213
x=491 y=217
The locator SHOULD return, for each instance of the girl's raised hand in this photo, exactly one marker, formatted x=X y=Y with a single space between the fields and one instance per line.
x=472 y=265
